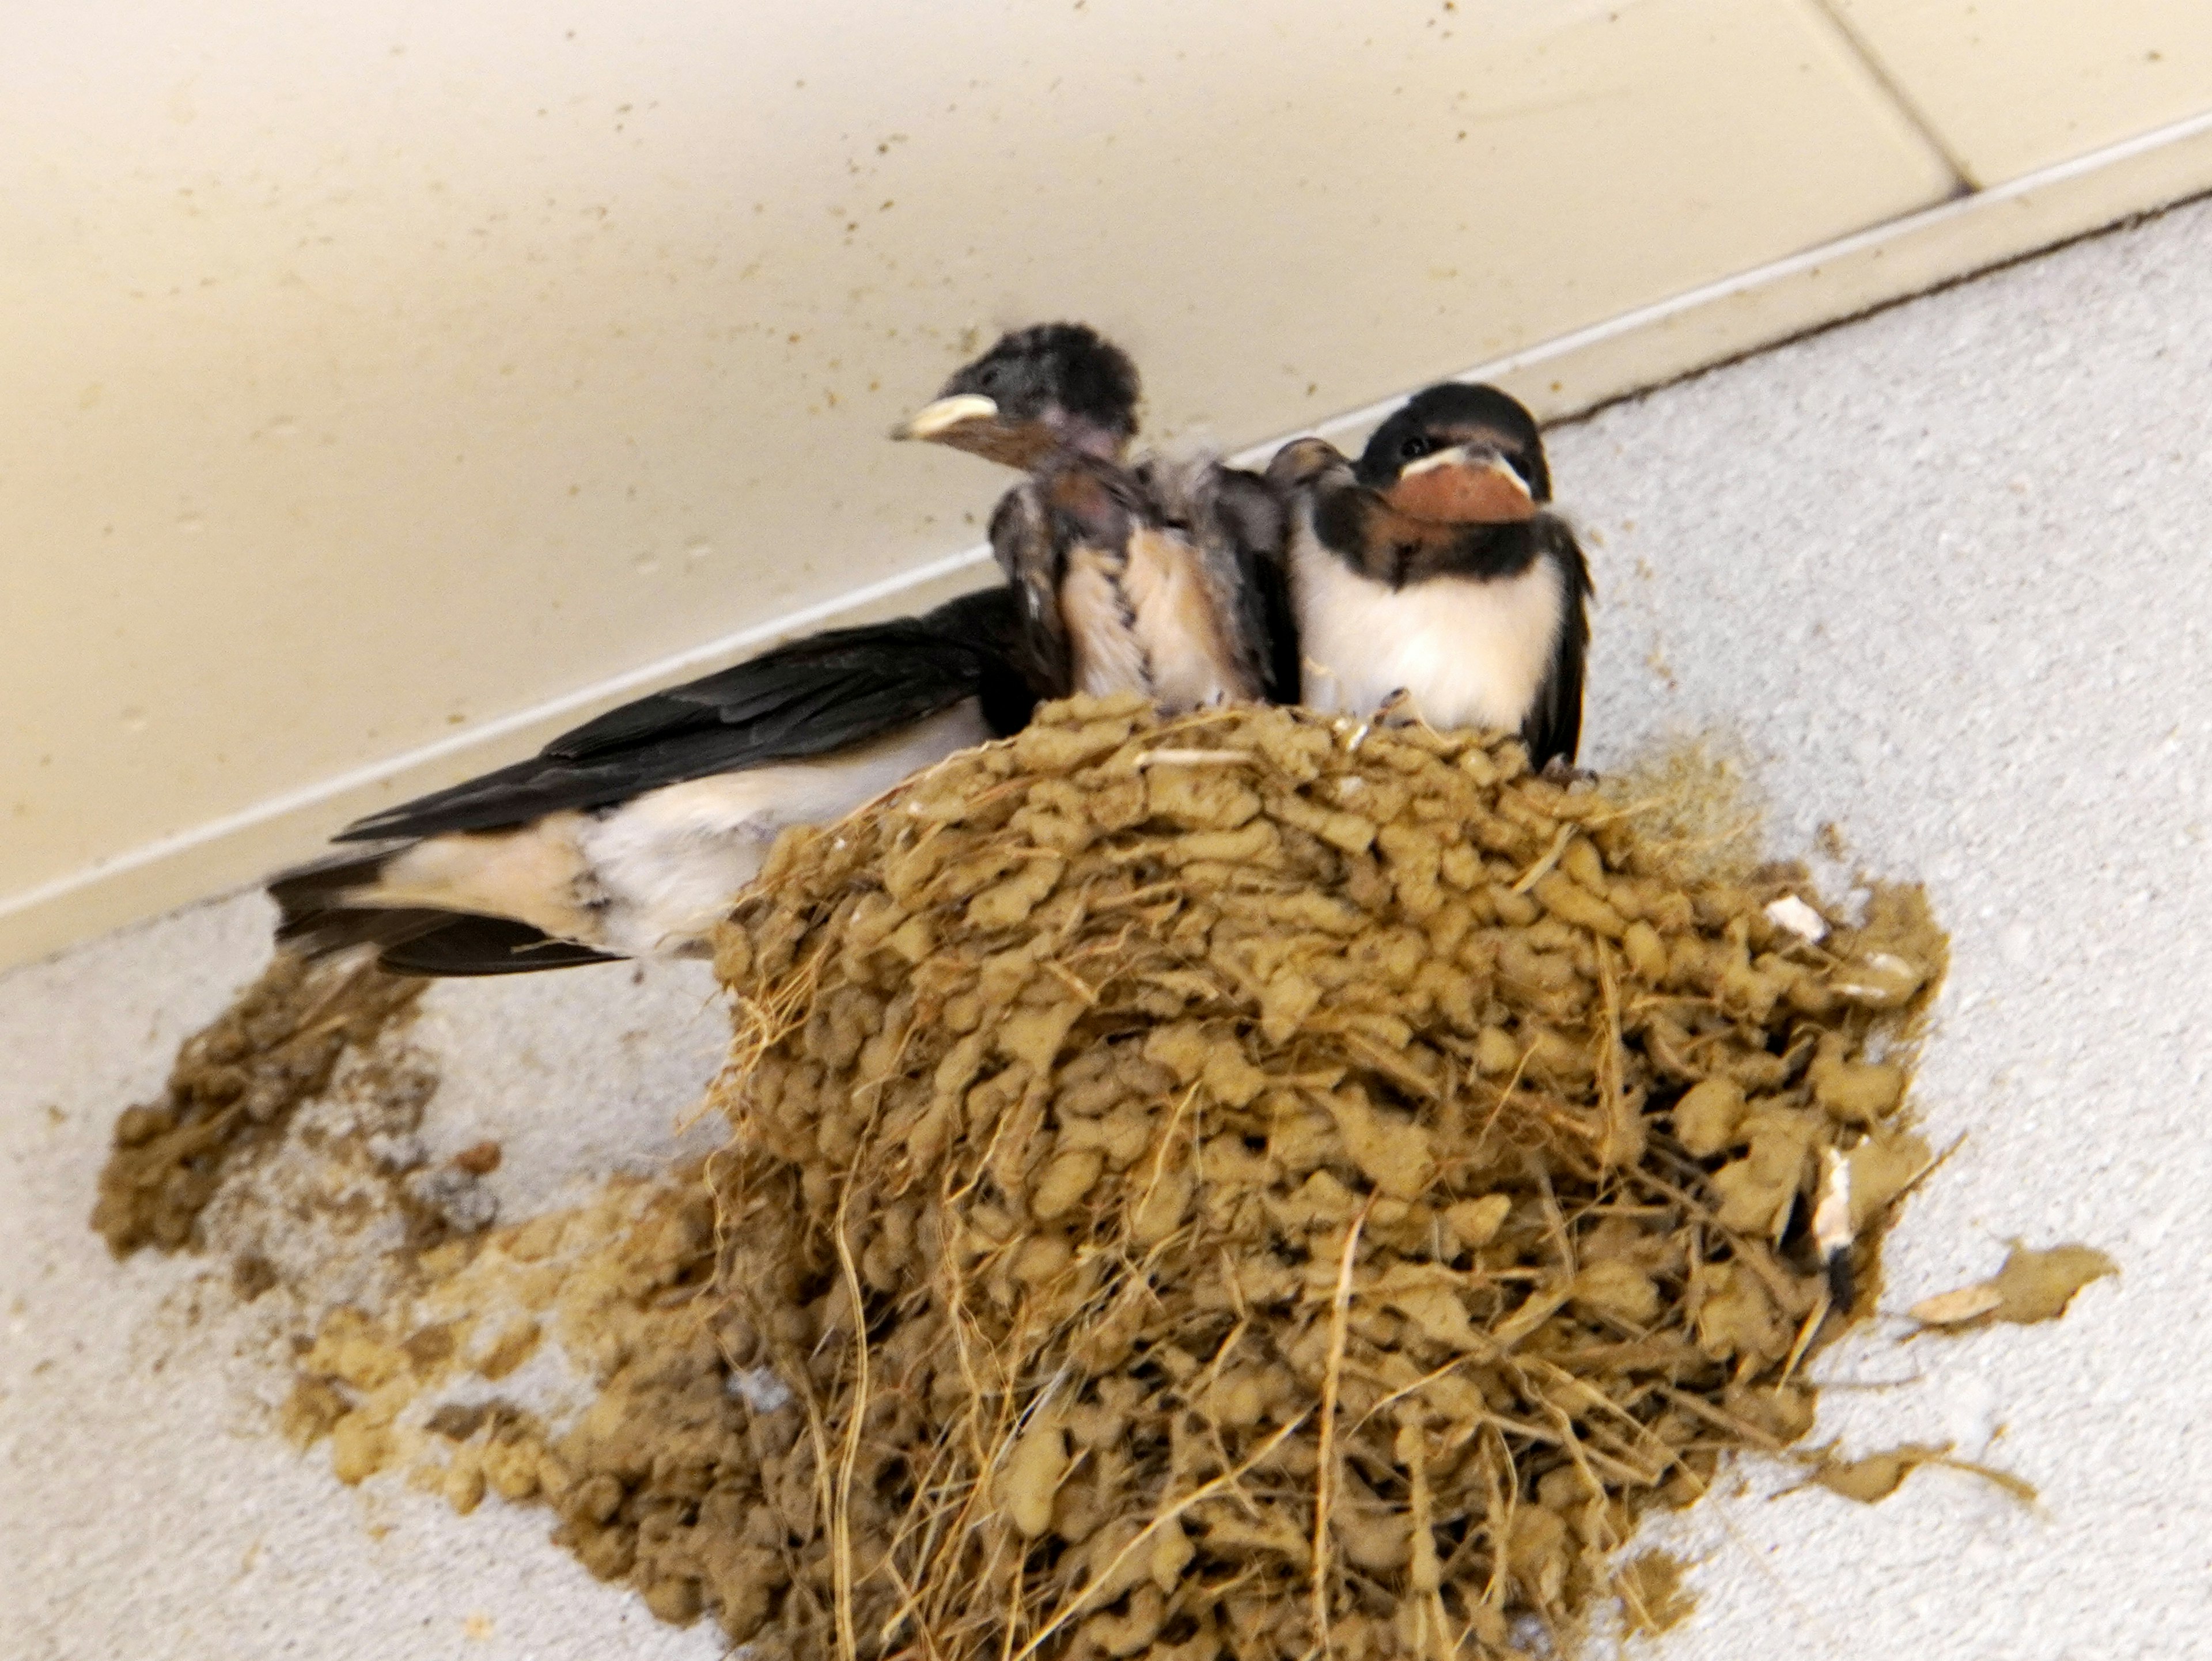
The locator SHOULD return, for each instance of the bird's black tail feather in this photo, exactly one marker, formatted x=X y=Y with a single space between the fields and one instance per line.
x=461 y=943
x=314 y=919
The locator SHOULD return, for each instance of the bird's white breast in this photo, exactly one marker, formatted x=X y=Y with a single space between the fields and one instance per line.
x=1471 y=652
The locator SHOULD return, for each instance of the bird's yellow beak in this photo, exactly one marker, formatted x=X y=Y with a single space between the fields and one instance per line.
x=947 y=415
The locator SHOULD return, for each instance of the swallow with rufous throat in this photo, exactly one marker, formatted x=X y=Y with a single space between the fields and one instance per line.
x=1432 y=574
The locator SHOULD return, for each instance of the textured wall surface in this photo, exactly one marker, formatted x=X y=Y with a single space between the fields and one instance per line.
x=1940 y=575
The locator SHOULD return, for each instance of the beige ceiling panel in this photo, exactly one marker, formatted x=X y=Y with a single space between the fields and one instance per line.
x=376 y=371
x=2009 y=85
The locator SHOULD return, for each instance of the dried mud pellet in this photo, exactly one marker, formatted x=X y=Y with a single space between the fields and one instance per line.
x=1200 y=798
x=1706 y=1116
x=1956 y=1307
x=1229 y=1078
x=1350 y=833
x=1380 y=799
x=1034 y=1036
x=1516 y=911
x=1551 y=1058
x=676 y=1599
x=1883 y=1165
x=1879 y=980
x=1856 y=1093
x=1285 y=1003
x=1008 y=902
x=509 y=1350
x=512 y=1470
x=1735 y=1318
x=463 y=1486
x=1476 y=1221
x=607 y=1553
x=1065 y=1182
x=2038 y=1285
x=1583 y=864
x=1308 y=910
x=1182 y=1048
x=1134 y=1629
x=310 y=1411
x=1293 y=750
x=1646 y=953
x=1450 y=927
x=1061 y=750
x=360 y=1444
x=1451 y=993
x=1042 y=1258
x=1159 y=1211
x=1496 y=1053
x=1216 y=857
x=1534 y=970
x=1031 y=1476
x=1122 y=1135
x=1460 y=866
x=1618 y=1289
x=1570 y=902
x=1748 y=1198
x=136 y=1126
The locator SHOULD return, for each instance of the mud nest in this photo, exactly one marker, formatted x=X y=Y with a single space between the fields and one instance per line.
x=233 y=1090
x=1255 y=1185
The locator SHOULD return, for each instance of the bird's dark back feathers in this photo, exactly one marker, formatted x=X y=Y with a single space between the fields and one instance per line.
x=806 y=698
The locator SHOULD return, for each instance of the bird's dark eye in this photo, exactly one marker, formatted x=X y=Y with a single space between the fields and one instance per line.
x=1414 y=448
x=990 y=377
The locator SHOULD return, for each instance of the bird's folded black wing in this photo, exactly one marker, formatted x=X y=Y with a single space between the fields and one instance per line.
x=1254 y=519
x=807 y=697
x=1553 y=729
x=922 y=653
x=1022 y=540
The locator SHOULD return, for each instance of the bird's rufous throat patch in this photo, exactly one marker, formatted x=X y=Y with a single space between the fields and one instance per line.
x=1456 y=487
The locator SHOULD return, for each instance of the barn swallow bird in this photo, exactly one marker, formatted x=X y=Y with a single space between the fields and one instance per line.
x=1163 y=577
x=1433 y=570
x=630 y=836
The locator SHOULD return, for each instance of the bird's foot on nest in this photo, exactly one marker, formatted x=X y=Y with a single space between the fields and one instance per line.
x=1397 y=710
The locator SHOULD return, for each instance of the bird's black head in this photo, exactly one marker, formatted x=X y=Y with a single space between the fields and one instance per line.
x=1055 y=386
x=1458 y=454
